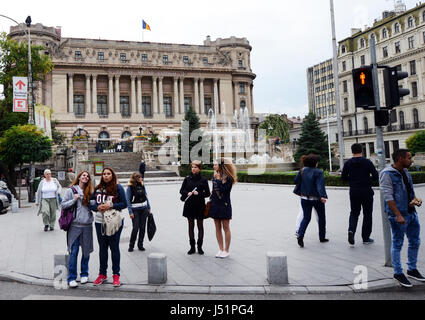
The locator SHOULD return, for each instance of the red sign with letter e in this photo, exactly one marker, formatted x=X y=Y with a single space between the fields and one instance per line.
x=20 y=85
x=20 y=105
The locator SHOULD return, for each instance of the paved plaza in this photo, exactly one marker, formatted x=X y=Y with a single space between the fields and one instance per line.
x=263 y=221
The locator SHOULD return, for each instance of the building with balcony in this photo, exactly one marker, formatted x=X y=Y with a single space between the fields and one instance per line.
x=400 y=42
x=110 y=88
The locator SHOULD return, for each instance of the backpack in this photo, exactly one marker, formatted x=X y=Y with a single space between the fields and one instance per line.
x=67 y=215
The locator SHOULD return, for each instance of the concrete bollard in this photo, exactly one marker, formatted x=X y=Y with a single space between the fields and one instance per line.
x=277 y=268
x=157 y=268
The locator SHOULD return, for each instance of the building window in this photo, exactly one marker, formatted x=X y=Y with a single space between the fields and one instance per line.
x=401 y=117
x=423 y=16
x=165 y=59
x=393 y=116
x=207 y=105
x=187 y=103
x=344 y=86
x=185 y=59
x=366 y=125
x=414 y=89
x=123 y=57
x=343 y=49
x=397 y=28
x=424 y=36
x=412 y=67
x=240 y=63
x=146 y=106
x=168 y=107
x=385 y=52
x=241 y=88
x=102 y=106
x=397 y=47
x=79 y=105
x=387 y=149
x=100 y=56
x=362 y=60
x=371 y=147
x=103 y=140
x=362 y=43
x=396 y=145
x=205 y=60
x=344 y=66
x=416 y=118
x=125 y=106
x=411 y=41
x=144 y=57
x=384 y=33
x=345 y=104
x=410 y=22
x=78 y=55
x=125 y=135
x=243 y=105
x=350 y=127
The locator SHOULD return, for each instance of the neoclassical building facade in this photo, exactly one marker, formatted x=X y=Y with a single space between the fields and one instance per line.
x=400 y=42
x=112 y=88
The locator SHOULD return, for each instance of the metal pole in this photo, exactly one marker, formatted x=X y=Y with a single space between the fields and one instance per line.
x=329 y=136
x=337 y=97
x=381 y=155
x=30 y=92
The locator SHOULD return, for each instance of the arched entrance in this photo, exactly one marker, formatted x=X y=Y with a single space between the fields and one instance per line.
x=103 y=141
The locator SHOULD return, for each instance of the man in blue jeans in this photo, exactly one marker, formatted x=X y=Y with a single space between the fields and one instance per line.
x=400 y=201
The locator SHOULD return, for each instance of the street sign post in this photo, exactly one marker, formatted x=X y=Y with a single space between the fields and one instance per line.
x=20 y=92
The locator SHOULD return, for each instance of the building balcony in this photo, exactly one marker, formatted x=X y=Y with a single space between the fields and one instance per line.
x=389 y=128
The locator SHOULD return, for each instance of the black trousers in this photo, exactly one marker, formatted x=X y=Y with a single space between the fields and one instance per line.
x=358 y=201
x=139 y=227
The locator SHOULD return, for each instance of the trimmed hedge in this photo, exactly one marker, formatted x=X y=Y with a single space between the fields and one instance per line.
x=288 y=178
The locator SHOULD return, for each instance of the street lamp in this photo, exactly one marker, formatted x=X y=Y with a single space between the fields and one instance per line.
x=80 y=128
x=140 y=130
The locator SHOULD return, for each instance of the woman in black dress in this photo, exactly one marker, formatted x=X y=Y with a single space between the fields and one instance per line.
x=221 y=208
x=193 y=192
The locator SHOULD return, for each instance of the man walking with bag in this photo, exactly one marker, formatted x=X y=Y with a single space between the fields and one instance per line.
x=400 y=201
x=360 y=172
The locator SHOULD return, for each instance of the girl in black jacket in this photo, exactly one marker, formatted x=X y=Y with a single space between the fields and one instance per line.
x=193 y=192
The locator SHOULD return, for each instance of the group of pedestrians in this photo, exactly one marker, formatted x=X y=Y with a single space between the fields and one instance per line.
x=398 y=193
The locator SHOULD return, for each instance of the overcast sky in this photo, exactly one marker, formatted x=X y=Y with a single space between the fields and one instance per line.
x=286 y=36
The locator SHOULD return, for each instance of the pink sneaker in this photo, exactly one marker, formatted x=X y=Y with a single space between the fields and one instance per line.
x=100 y=279
x=116 y=282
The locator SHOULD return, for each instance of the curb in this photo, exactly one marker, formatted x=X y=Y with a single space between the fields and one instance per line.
x=183 y=289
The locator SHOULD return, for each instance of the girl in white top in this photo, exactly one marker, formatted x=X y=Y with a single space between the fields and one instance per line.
x=47 y=199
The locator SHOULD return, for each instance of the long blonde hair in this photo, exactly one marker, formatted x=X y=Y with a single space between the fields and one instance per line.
x=227 y=169
x=134 y=179
x=88 y=188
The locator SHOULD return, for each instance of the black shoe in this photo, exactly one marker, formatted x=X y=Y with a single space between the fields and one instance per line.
x=300 y=242
x=130 y=249
x=46 y=228
x=192 y=247
x=351 y=238
x=199 y=243
x=368 y=241
x=415 y=274
x=402 y=280
x=324 y=240
x=51 y=228
x=142 y=248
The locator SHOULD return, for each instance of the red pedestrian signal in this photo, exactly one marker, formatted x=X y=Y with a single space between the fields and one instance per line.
x=363 y=87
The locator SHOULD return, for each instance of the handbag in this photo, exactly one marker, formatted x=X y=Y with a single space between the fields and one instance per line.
x=151 y=226
x=207 y=209
x=112 y=222
x=297 y=189
x=67 y=215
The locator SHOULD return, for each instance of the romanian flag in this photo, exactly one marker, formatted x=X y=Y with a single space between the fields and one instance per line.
x=146 y=26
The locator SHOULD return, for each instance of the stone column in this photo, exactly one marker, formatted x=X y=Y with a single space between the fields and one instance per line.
x=216 y=103
x=94 y=93
x=252 y=98
x=71 y=92
x=249 y=99
x=160 y=96
x=201 y=98
x=88 y=96
x=133 y=95
x=196 y=104
x=111 y=94
x=235 y=98
x=117 y=94
x=181 y=109
x=139 y=95
x=176 y=97
x=154 y=95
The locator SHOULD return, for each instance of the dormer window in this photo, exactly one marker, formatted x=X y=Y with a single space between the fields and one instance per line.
x=384 y=33
x=362 y=43
x=343 y=49
x=397 y=28
x=123 y=57
x=410 y=22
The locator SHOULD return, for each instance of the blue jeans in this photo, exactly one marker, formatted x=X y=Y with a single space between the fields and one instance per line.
x=307 y=206
x=72 y=264
x=112 y=242
x=411 y=229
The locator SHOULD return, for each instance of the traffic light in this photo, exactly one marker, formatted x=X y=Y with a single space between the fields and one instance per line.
x=363 y=87
x=392 y=91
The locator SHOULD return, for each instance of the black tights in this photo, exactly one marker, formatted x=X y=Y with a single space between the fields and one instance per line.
x=200 y=223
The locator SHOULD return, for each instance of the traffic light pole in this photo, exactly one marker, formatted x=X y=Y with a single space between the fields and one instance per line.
x=381 y=155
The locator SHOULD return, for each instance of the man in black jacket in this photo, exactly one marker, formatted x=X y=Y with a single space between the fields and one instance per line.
x=142 y=168
x=360 y=172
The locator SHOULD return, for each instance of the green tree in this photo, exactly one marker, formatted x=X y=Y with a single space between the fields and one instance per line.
x=416 y=142
x=24 y=144
x=14 y=62
x=276 y=126
x=313 y=140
